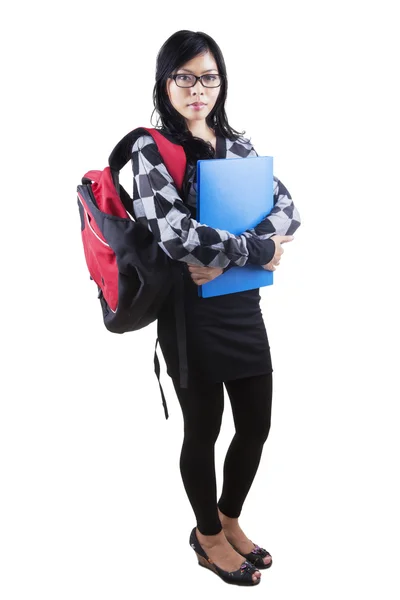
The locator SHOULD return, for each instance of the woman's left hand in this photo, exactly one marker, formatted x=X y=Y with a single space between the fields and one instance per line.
x=202 y=275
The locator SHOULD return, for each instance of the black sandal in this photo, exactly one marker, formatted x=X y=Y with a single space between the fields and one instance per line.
x=242 y=576
x=256 y=556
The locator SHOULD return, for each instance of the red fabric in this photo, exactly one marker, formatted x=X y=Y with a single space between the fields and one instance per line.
x=106 y=196
x=100 y=259
x=173 y=155
x=93 y=223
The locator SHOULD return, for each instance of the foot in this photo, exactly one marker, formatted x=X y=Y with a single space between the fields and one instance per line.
x=236 y=536
x=221 y=552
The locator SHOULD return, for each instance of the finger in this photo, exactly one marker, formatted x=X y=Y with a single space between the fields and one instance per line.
x=210 y=274
x=201 y=281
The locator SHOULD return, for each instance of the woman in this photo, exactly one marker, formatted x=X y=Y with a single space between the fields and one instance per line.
x=227 y=342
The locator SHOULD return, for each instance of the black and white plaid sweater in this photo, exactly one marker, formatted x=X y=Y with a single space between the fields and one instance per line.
x=158 y=206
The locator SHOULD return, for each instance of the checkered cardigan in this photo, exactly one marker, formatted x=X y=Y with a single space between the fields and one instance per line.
x=158 y=206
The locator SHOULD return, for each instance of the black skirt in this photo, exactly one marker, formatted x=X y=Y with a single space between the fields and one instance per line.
x=225 y=335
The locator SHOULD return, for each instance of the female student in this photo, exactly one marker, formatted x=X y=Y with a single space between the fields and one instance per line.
x=227 y=343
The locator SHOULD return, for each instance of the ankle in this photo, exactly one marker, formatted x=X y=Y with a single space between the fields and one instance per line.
x=227 y=522
x=210 y=540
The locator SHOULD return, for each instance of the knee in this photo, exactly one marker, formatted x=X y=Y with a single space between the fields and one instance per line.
x=262 y=434
x=202 y=435
x=265 y=427
x=265 y=432
x=257 y=432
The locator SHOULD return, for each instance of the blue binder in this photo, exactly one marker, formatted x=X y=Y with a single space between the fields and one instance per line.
x=235 y=194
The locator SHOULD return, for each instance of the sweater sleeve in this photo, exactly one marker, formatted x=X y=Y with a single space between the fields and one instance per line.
x=158 y=206
x=284 y=218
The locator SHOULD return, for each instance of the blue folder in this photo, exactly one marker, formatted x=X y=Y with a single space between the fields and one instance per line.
x=235 y=194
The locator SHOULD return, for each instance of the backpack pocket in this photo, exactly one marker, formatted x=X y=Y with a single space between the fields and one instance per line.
x=100 y=259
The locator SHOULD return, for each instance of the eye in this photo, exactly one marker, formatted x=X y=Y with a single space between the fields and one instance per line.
x=210 y=77
x=183 y=77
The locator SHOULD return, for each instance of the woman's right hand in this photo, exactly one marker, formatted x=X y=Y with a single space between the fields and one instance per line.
x=278 y=239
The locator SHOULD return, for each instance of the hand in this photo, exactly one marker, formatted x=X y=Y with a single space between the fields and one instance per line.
x=278 y=239
x=202 y=275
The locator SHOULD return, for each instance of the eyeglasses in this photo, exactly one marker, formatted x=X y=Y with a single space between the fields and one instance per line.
x=211 y=80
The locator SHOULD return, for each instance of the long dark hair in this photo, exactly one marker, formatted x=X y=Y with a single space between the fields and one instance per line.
x=178 y=49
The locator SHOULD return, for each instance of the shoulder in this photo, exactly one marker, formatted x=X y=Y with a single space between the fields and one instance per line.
x=145 y=140
x=145 y=154
x=142 y=141
x=244 y=140
x=240 y=147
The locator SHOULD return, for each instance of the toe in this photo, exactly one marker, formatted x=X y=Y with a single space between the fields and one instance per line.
x=256 y=575
x=267 y=560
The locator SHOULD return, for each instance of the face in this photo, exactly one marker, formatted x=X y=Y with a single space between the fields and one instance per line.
x=182 y=98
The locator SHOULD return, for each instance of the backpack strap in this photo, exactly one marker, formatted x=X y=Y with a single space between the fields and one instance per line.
x=181 y=335
x=173 y=155
x=157 y=371
x=179 y=291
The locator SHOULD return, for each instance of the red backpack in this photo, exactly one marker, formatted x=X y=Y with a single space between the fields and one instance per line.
x=132 y=273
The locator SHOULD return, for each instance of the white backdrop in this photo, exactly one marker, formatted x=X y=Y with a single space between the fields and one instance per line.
x=92 y=504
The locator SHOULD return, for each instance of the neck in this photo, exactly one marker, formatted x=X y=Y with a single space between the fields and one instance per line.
x=201 y=129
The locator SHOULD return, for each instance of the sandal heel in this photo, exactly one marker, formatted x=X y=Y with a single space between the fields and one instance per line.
x=203 y=562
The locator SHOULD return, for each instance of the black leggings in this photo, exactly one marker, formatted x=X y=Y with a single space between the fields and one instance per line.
x=202 y=405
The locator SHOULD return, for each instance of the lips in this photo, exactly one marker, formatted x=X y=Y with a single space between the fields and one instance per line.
x=197 y=104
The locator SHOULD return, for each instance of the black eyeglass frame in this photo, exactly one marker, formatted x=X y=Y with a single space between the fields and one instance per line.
x=197 y=79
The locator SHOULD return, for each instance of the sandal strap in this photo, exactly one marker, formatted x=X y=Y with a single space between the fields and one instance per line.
x=257 y=561
x=256 y=556
x=260 y=551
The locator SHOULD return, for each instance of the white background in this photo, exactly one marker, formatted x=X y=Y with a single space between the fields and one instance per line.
x=92 y=504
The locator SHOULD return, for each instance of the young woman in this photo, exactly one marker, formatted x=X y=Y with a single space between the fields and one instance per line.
x=227 y=343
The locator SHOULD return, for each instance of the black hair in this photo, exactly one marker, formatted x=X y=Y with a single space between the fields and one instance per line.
x=178 y=49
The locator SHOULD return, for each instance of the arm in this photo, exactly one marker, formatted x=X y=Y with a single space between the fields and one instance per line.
x=284 y=218
x=158 y=206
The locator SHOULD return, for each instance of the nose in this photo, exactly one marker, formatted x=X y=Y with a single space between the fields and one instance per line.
x=198 y=88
